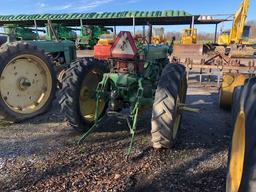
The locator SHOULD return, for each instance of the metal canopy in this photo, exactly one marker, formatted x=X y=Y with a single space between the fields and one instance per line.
x=169 y=17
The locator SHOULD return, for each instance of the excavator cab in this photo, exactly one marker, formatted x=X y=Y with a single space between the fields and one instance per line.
x=246 y=34
x=189 y=36
x=224 y=37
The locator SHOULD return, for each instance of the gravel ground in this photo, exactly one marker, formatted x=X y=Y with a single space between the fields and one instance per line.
x=42 y=154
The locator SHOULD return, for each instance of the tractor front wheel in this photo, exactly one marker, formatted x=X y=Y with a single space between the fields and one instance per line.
x=78 y=93
x=166 y=117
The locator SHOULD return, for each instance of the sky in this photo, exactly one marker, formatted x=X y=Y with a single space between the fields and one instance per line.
x=197 y=7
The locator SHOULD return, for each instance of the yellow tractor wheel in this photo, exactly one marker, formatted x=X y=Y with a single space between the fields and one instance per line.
x=242 y=155
x=236 y=103
x=78 y=93
x=230 y=81
x=27 y=82
x=236 y=161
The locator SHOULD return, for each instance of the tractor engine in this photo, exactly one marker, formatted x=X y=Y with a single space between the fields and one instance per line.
x=126 y=66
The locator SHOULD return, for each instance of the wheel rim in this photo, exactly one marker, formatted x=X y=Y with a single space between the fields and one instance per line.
x=25 y=84
x=87 y=98
x=227 y=88
x=227 y=80
x=237 y=155
x=177 y=119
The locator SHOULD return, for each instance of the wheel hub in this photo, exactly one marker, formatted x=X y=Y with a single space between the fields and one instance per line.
x=87 y=98
x=23 y=83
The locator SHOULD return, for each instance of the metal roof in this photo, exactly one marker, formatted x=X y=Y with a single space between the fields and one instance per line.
x=125 y=18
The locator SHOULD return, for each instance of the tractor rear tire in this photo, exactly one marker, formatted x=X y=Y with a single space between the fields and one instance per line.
x=78 y=92
x=166 y=117
x=27 y=81
x=241 y=175
x=235 y=107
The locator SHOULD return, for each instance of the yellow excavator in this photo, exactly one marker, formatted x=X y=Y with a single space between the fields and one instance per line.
x=238 y=34
x=238 y=46
x=235 y=35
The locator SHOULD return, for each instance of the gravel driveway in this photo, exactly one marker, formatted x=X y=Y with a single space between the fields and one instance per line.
x=42 y=154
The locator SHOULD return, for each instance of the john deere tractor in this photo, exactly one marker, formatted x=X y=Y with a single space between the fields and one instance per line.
x=89 y=36
x=62 y=32
x=18 y=33
x=28 y=68
x=134 y=75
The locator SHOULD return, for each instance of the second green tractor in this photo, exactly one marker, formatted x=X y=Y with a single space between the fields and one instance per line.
x=134 y=76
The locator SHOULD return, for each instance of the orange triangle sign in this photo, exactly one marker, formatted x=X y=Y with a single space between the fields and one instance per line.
x=124 y=46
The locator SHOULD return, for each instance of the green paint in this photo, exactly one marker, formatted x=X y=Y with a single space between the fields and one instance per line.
x=67 y=48
x=18 y=33
x=63 y=45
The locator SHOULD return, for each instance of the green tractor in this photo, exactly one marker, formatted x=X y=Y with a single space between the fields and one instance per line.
x=62 y=32
x=135 y=75
x=28 y=68
x=19 y=33
x=89 y=36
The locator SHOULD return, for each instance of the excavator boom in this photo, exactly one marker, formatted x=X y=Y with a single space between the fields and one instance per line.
x=235 y=35
x=239 y=23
